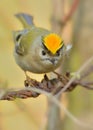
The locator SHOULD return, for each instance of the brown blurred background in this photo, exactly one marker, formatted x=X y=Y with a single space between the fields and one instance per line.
x=30 y=114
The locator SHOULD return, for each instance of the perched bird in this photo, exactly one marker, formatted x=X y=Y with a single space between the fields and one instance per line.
x=37 y=50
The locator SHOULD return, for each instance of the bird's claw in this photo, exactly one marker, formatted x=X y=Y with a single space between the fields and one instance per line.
x=29 y=82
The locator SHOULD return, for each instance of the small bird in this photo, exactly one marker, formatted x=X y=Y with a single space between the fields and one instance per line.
x=37 y=50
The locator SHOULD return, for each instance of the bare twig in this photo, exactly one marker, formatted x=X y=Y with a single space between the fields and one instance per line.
x=55 y=86
x=73 y=79
x=70 y=13
x=63 y=21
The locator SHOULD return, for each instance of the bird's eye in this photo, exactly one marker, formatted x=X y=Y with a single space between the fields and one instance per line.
x=43 y=53
x=58 y=53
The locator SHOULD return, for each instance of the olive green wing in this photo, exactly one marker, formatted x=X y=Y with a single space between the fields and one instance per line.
x=17 y=37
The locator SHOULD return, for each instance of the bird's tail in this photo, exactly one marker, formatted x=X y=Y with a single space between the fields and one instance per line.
x=26 y=19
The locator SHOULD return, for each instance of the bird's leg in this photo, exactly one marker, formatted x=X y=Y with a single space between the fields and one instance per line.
x=58 y=75
x=29 y=82
x=63 y=78
x=27 y=77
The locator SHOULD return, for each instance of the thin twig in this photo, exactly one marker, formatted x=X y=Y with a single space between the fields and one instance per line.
x=55 y=100
x=55 y=86
x=86 y=85
x=83 y=67
x=72 y=10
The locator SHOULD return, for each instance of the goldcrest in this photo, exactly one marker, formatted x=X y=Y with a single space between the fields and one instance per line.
x=36 y=49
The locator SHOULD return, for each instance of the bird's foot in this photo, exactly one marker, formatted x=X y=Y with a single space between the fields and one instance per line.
x=29 y=82
x=63 y=78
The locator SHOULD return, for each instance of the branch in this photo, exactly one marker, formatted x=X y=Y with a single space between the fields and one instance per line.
x=71 y=12
x=53 y=86
x=56 y=86
x=62 y=21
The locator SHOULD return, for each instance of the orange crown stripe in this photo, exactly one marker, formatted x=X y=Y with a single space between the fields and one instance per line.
x=53 y=42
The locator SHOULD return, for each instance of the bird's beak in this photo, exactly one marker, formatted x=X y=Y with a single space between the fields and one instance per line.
x=53 y=61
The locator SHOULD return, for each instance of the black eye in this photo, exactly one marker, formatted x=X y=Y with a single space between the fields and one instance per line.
x=18 y=37
x=58 y=53
x=43 y=53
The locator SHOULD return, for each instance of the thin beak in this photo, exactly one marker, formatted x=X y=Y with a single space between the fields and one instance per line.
x=53 y=61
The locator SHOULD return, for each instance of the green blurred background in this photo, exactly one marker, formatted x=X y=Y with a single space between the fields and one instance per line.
x=30 y=114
